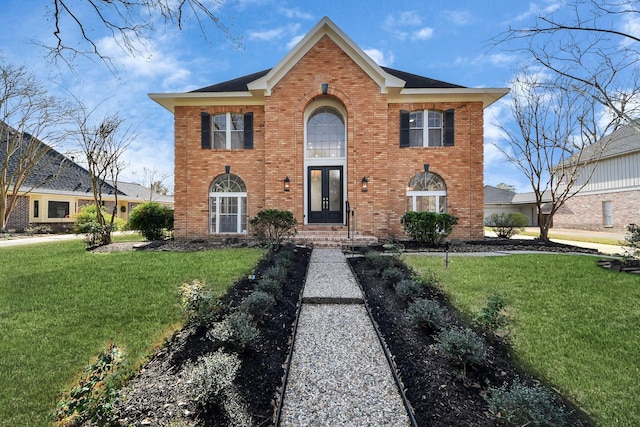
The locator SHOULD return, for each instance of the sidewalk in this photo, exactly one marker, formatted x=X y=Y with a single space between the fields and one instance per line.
x=339 y=375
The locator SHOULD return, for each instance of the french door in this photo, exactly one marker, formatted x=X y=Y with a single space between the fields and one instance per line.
x=325 y=194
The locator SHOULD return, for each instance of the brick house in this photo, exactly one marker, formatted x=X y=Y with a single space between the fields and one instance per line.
x=58 y=187
x=330 y=136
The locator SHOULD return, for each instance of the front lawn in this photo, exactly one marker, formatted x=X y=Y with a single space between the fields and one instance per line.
x=576 y=325
x=61 y=305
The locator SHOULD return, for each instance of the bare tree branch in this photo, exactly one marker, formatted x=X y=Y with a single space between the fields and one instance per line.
x=130 y=23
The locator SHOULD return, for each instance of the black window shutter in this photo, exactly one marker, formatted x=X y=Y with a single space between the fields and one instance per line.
x=248 y=131
x=448 y=128
x=205 y=129
x=404 y=128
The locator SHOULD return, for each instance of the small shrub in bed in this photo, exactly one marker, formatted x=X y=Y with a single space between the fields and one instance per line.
x=276 y=272
x=494 y=315
x=506 y=225
x=461 y=346
x=431 y=228
x=393 y=274
x=379 y=261
x=199 y=303
x=427 y=314
x=408 y=289
x=210 y=376
x=284 y=257
x=237 y=331
x=257 y=304
x=270 y=286
x=525 y=405
x=274 y=226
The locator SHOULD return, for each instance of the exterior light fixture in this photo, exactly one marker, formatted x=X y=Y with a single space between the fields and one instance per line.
x=325 y=88
x=426 y=167
x=365 y=184
x=227 y=169
x=287 y=181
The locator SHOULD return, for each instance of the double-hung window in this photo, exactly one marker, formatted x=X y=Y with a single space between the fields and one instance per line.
x=227 y=131
x=427 y=128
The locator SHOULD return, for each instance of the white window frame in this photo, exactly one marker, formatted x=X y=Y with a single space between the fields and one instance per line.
x=437 y=194
x=228 y=131
x=218 y=196
x=426 y=128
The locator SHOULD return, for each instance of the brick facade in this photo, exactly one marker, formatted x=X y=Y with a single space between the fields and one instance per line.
x=372 y=150
x=586 y=211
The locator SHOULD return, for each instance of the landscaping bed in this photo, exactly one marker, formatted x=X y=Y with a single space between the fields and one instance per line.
x=440 y=391
x=159 y=394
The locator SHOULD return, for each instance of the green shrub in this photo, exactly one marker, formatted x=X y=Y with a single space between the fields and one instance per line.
x=494 y=315
x=427 y=314
x=461 y=346
x=284 y=257
x=275 y=272
x=210 y=377
x=152 y=220
x=408 y=289
x=393 y=274
x=379 y=261
x=39 y=229
x=86 y=220
x=506 y=225
x=273 y=226
x=199 y=303
x=237 y=331
x=632 y=240
x=428 y=227
x=257 y=304
x=270 y=286
x=525 y=405
x=96 y=392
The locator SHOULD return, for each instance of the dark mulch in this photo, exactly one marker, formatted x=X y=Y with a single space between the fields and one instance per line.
x=156 y=395
x=435 y=388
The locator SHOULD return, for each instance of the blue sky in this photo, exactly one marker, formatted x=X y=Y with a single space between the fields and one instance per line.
x=448 y=41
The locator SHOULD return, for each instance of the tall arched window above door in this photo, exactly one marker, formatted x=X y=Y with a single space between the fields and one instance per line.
x=326 y=137
x=227 y=205
x=427 y=192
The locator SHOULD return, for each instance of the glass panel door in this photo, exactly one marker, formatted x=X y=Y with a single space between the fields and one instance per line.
x=325 y=194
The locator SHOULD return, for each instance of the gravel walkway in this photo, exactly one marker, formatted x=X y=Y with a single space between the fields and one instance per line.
x=339 y=375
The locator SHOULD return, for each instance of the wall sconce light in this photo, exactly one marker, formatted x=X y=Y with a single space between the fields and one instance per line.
x=325 y=88
x=426 y=167
x=287 y=181
x=365 y=184
x=227 y=169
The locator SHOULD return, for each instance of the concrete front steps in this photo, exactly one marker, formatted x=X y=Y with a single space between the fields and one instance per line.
x=322 y=238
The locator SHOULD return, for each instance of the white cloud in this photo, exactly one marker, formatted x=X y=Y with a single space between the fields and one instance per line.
x=379 y=57
x=275 y=34
x=294 y=41
x=423 y=34
x=536 y=10
x=295 y=13
x=399 y=24
x=458 y=17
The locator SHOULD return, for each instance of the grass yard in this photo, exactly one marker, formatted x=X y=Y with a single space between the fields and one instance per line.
x=60 y=306
x=576 y=325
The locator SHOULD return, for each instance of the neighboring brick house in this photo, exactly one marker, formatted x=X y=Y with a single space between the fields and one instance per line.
x=610 y=200
x=62 y=187
x=324 y=127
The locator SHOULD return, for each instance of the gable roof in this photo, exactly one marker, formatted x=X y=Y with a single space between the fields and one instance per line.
x=57 y=174
x=497 y=196
x=399 y=85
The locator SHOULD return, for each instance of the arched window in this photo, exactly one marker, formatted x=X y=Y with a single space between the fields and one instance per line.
x=427 y=191
x=228 y=205
x=326 y=133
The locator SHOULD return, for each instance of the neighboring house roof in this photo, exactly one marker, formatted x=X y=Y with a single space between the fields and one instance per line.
x=140 y=192
x=622 y=141
x=54 y=171
x=57 y=174
x=497 y=196
x=253 y=88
